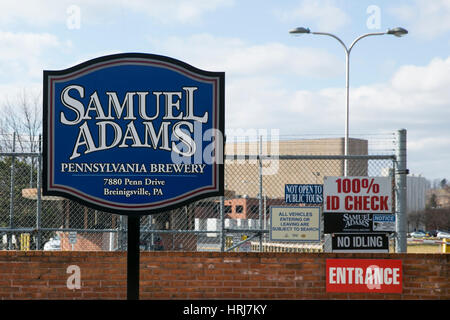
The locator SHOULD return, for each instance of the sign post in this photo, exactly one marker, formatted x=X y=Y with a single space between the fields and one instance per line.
x=72 y=239
x=133 y=257
x=133 y=134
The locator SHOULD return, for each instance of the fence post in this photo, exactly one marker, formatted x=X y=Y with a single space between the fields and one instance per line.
x=39 y=198
x=260 y=195
x=11 y=195
x=120 y=234
x=400 y=199
x=222 y=224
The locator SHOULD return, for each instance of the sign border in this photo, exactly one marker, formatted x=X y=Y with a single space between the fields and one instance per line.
x=333 y=223
x=295 y=240
x=362 y=211
x=363 y=288
x=362 y=250
x=138 y=209
x=303 y=184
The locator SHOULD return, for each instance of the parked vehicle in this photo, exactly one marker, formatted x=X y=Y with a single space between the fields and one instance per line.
x=433 y=233
x=54 y=244
x=443 y=234
x=418 y=234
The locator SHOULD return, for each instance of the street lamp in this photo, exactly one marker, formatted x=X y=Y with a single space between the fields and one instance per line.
x=398 y=32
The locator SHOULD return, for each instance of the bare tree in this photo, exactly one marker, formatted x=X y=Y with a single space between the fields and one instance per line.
x=21 y=126
x=437 y=219
x=21 y=116
x=416 y=220
x=432 y=202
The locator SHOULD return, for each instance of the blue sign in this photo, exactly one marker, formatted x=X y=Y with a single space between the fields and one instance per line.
x=383 y=222
x=303 y=193
x=133 y=133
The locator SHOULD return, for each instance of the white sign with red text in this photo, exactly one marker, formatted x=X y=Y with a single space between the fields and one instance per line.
x=357 y=194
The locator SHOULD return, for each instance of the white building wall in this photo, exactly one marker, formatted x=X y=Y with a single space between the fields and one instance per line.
x=417 y=187
x=416 y=191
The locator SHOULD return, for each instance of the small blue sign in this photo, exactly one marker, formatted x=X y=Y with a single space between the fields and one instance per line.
x=133 y=133
x=303 y=193
x=384 y=222
x=384 y=218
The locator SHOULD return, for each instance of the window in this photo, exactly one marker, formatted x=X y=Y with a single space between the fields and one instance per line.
x=239 y=209
x=254 y=209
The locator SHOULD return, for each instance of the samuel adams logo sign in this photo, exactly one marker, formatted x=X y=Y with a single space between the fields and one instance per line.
x=133 y=133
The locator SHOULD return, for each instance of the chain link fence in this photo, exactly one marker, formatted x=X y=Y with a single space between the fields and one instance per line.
x=256 y=173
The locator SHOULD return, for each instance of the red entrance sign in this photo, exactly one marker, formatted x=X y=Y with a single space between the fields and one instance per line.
x=364 y=275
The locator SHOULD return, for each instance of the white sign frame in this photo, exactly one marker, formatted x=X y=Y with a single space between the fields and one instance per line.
x=291 y=224
x=361 y=194
x=72 y=237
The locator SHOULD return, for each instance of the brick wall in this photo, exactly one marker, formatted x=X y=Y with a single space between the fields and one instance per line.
x=86 y=241
x=206 y=275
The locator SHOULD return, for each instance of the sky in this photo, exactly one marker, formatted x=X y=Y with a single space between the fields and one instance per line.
x=274 y=80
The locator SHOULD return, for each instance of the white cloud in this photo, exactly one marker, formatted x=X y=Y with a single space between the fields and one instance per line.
x=259 y=89
x=23 y=54
x=32 y=12
x=45 y=12
x=420 y=144
x=11 y=92
x=415 y=95
x=256 y=75
x=254 y=102
x=23 y=44
x=238 y=58
x=425 y=18
x=186 y=11
x=416 y=98
x=322 y=14
x=432 y=79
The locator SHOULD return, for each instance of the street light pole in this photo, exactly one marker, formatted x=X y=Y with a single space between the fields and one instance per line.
x=398 y=32
x=347 y=85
